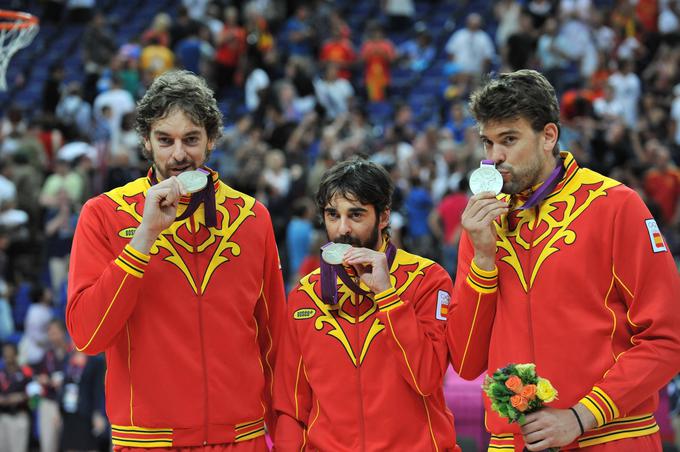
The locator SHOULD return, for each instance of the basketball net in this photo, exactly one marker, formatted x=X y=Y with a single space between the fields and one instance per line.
x=17 y=30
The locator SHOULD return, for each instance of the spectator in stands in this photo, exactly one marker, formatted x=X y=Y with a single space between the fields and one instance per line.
x=189 y=53
x=520 y=47
x=377 y=54
x=230 y=50
x=82 y=403
x=418 y=205
x=662 y=184
x=50 y=373
x=73 y=111
x=158 y=31
x=99 y=47
x=181 y=26
x=298 y=33
x=14 y=414
x=627 y=91
x=333 y=93
x=445 y=224
x=338 y=49
x=60 y=225
x=471 y=47
x=155 y=60
x=417 y=54
x=675 y=115
x=459 y=122
x=299 y=237
x=53 y=87
x=507 y=14
x=6 y=317
x=121 y=102
x=34 y=342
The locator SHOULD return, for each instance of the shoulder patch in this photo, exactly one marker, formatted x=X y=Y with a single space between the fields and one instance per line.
x=304 y=313
x=443 y=299
x=658 y=244
x=127 y=233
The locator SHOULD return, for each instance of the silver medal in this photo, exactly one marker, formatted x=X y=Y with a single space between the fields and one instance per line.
x=193 y=181
x=334 y=253
x=486 y=178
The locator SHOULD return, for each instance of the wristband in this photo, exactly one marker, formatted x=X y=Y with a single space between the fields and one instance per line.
x=578 y=419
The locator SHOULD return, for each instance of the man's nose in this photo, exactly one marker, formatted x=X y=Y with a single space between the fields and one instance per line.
x=345 y=227
x=178 y=151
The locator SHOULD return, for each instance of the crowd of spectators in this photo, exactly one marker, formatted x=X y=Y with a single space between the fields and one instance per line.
x=304 y=87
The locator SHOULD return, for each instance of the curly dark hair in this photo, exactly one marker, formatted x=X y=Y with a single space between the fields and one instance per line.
x=181 y=90
x=357 y=179
x=521 y=94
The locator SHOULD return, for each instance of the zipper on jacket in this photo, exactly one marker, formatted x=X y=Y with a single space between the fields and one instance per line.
x=201 y=334
x=362 y=426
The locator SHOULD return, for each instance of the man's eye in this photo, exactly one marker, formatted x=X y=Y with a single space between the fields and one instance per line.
x=165 y=141
x=510 y=140
x=191 y=141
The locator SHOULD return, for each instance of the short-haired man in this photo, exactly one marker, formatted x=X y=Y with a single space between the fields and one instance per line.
x=362 y=358
x=183 y=292
x=566 y=269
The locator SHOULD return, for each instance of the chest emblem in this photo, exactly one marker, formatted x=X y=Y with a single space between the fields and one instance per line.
x=354 y=310
x=545 y=235
x=178 y=244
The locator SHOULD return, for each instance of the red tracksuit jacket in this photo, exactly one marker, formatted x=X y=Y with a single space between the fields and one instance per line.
x=367 y=376
x=190 y=330
x=586 y=288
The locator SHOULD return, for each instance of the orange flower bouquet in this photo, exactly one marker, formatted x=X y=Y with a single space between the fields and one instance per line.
x=516 y=390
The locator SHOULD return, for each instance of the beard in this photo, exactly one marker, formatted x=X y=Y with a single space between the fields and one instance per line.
x=371 y=242
x=521 y=179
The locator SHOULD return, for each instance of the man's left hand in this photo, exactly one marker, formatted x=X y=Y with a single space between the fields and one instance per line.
x=371 y=266
x=549 y=427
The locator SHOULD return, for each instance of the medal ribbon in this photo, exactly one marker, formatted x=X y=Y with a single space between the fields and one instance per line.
x=330 y=273
x=205 y=196
x=547 y=187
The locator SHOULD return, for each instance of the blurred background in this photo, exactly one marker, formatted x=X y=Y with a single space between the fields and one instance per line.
x=302 y=85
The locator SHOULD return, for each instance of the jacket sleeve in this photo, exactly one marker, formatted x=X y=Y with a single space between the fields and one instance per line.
x=292 y=393
x=416 y=329
x=269 y=312
x=472 y=314
x=103 y=283
x=646 y=280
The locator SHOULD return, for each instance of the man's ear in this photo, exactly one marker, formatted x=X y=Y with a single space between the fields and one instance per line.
x=384 y=219
x=550 y=134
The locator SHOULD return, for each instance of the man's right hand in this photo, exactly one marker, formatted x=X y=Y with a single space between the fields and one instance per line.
x=477 y=220
x=160 y=211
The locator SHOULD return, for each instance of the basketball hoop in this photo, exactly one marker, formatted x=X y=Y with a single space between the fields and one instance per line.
x=17 y=30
